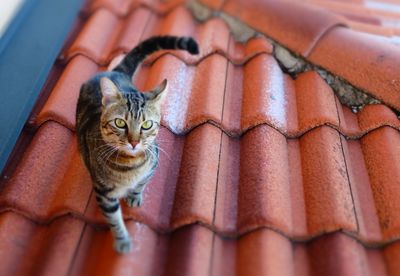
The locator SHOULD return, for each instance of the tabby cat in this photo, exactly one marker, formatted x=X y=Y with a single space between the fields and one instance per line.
x=116 y=127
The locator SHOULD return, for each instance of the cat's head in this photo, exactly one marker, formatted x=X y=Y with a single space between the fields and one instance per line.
x=130 y=121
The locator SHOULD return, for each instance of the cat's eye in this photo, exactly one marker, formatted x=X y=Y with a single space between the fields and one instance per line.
x=120 y=123
x=147 y=124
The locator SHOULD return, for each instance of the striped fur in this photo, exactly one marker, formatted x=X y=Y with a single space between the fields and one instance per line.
x=117 y=127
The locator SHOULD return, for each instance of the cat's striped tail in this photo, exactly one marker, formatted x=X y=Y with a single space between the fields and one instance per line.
x=131 y=61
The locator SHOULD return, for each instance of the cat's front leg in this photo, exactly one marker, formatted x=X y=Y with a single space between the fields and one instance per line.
x=134 y=198
x=111 y=210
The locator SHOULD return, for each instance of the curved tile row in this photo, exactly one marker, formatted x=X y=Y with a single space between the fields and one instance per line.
x=192 y=250
x=105 y=36
x=122 y=8
x=302 y=187
x=234 y=98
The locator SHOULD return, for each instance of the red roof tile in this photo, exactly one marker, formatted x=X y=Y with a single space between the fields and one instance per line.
x=192 y=250
x=260 y=173
x=52 y=174
x=30 y=249
x=292 y=24
x=367 y=62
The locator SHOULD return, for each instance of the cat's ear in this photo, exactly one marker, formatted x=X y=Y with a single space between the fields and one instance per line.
x=109 y=91
x=157 y=95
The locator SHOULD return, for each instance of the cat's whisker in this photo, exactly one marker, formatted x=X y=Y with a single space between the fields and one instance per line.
x=164 y=141
x=163 y=151
x=110 y=154
x=106 y=153
x=153 y=154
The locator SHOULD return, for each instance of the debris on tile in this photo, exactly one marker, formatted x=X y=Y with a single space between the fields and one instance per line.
x=347 y=93
x=199 y=11
x=241 y=32
x=292 y=64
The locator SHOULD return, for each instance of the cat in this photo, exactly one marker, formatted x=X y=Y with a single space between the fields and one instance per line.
x=116 y=126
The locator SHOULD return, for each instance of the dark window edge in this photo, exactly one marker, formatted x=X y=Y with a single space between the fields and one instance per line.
x=26 y=58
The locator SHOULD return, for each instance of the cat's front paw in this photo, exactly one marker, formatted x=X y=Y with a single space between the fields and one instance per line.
x=134 y=200
x=123 y=245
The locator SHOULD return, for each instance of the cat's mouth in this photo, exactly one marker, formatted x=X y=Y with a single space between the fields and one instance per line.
x=130 y=153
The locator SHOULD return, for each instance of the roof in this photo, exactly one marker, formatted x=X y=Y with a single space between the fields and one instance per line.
x=260 y=173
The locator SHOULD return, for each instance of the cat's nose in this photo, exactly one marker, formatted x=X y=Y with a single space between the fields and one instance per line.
x=133 y=143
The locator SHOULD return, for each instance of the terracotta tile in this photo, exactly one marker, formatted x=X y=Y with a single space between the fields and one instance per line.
x=363 y=60
x=51 y=179
x=213 y=4
x=357 y=20
x=177 y=22
x=61 y=104
x=267 y=96
x=210 y=76
x=226 y=209
x=338 y=254
x=240 y=53
x=131 y=31
x=392 y=257
x=381 y=154
x=232 y=111
x=224 y=256
x=354 y=11
x=326 y=182
x=118 y=7
x=348 y=120
x=359 y=11
x=212 y=36
x=195 y=191
x=376 y=263
x=299 y=218
x=375 y=116
x=180 y=23
x=97 y=38
x=162 y=7
x=190 y=101
x=372 y=29
x=264 y=252
x=185 y=252
x=365 y=209
x=315 y=100
x=189 y=252
x=290 y=23
x=301 y=260
x=31 y=249
x=264 y=187
x=96 y=256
